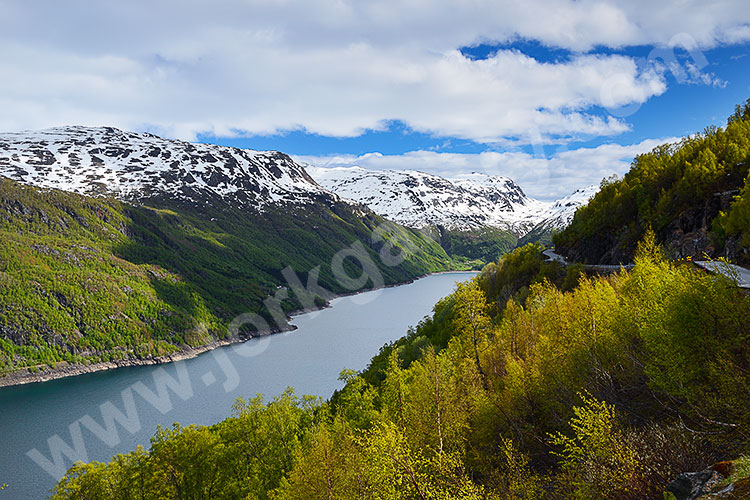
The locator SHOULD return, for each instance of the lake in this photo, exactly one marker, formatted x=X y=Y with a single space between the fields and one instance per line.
x=45 y=426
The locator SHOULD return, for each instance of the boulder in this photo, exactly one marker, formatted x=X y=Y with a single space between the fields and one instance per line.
x=691 y=485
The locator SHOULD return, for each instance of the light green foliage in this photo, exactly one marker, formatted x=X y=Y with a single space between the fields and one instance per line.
x=330 y=466
x=472 y=322
x=357 y=400
x=245 y=456
x=435 y=411
x=660 y=337
x=596 y=460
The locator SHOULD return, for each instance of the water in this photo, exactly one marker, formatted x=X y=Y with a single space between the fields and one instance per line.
x=69 y=415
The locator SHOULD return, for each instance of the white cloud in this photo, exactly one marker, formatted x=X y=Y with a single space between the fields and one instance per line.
x=337 y=67
x=543 y=178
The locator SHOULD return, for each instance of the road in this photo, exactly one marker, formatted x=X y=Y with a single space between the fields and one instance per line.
x=551 y=255
x=738 y=274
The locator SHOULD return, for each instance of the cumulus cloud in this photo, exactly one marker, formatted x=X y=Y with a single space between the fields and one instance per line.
x=337 y=67
x=543 y=178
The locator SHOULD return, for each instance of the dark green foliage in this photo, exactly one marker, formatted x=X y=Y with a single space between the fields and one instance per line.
x=87 y=280
x=733 y=227
x=678 y=190
x=478 y=246
x=538 y=234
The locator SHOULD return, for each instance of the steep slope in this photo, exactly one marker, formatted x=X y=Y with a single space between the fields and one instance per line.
x=693 y=194
x=94 y=278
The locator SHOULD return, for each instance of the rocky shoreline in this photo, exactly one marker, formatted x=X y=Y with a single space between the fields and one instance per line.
x=64 y=369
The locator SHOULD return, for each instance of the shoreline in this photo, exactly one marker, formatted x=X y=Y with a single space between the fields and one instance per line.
x=64 y=369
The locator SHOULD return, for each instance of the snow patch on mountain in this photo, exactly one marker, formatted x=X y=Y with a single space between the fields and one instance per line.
x=463 y=203
x=562 y=211
x=135 y=167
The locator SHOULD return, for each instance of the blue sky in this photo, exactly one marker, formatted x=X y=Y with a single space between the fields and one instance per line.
x=555 y=94
x=684 y=109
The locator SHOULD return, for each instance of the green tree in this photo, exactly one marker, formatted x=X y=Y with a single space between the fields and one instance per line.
x=471 y=319
x=597 y=461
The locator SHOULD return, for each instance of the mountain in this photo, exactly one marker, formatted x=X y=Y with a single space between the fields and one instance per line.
x=128 y=248
x=418 y=199
x=559 y=215
x=143 y=167
x=474 y=215
x=694 y=195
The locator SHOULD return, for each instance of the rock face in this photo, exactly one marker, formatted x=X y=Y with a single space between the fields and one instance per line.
x=710 y=483
x=691 y=485
x=140 y=167
x=688 y=235
x=461 y=203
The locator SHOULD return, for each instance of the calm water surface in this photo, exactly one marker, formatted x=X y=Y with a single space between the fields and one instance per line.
x=67 y=419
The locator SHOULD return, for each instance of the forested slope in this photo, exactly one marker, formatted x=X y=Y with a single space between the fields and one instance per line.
x=694 y=194
x=87 y=279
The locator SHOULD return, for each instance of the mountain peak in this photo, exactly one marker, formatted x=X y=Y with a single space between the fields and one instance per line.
x=464 y=202
x=136 y=167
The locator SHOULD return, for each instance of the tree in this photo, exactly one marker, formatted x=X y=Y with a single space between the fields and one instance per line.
x=472 y=319
x=597 y=460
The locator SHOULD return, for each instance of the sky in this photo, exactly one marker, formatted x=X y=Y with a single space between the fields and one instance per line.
x=553 y=94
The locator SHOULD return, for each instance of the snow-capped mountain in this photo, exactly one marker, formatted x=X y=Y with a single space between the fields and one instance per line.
x=418 y=199
x=136 y=167
x=461 y=203
x=562 y=211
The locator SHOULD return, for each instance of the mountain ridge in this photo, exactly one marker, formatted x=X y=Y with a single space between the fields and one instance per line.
x=465 y=202
x=136 y=167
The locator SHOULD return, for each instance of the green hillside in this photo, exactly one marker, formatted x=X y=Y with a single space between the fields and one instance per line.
x=89 y=279
x=694 y=194
x=479 y=245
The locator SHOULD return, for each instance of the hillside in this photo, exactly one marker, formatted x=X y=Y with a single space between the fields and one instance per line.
x=694 y=194
x=183 y=251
